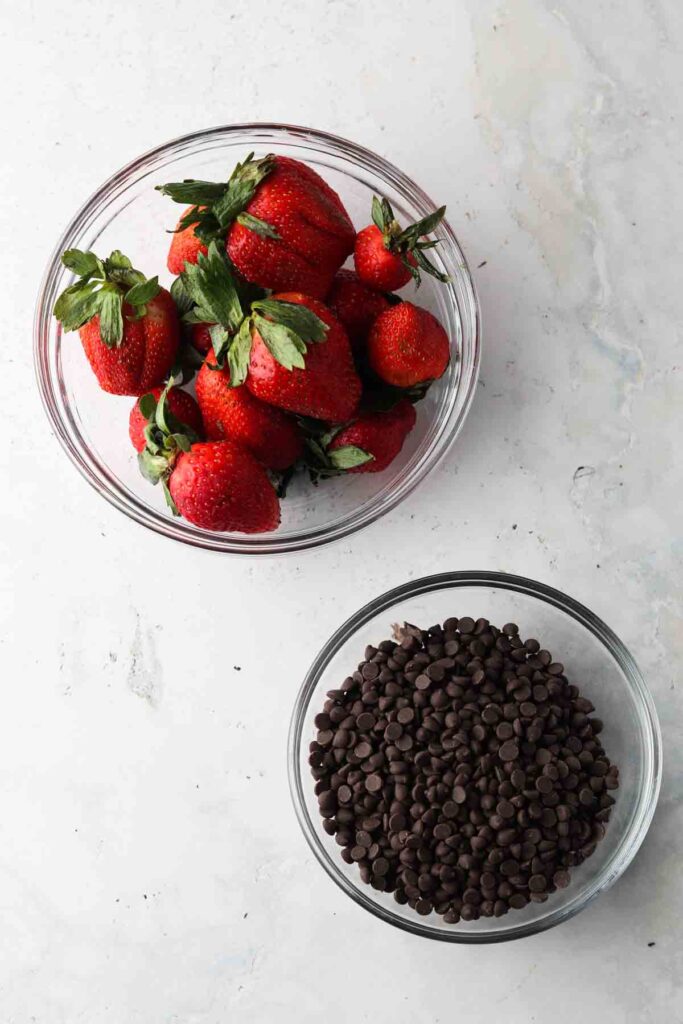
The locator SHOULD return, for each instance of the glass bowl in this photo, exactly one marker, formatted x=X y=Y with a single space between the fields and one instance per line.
x=594 y=658
x=127 y=213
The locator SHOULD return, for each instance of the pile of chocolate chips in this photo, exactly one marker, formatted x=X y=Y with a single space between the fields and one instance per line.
x=461 y=771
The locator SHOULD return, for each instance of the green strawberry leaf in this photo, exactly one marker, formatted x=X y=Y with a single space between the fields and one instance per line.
x=317 y=451
x=169 y=425
x=182 y=298
x=258 y=226
x=411 y=268
x=165 y=437
x=244 y=181
x=349 y=457
x=140 y=294
x=215 y=205
x=382 y=215
x=238 y=355
x=119 y=270
x=191 y=192
x=412 y=234
x=328 y=437
x=100 y=290
x=425 y=264
x=150 y=432
x=153 y=467
x=169 y=500
x=162 y=411
x=211 y=285
x=147 y=405
x=84 y=264
x=299 y=319
x=220 y=341
x=206 y=227
x=111 y=316
x=193 y=316
x=284 y=345
x=181 y=441
x=77 y=304
x=117 y=261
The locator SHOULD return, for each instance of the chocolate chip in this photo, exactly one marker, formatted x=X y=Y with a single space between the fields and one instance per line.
x=508 y=751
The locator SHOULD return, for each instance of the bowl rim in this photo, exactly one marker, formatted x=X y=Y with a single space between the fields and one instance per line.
x=97 y=473
x=647 y=798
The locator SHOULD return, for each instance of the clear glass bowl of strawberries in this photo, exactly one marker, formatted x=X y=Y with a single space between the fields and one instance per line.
x=257 y=338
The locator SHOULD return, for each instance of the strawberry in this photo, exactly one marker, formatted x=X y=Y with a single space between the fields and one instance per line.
x=289 y=348
x=181 y=405
x=408 y=346
x=233 y=412
x=200 y=336
x=284 y=227
x=355 y=306
x=379 y=434
x=128 y=325
x=217 y=485
x=327 y=387
x=185 y=246
x=386 y=256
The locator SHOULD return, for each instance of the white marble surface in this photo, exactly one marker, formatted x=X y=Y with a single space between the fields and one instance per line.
x=151 y=869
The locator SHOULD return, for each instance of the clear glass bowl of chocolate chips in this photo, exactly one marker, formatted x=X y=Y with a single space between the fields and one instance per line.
x=474 y=757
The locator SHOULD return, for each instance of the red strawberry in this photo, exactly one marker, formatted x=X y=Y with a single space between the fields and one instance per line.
x=326 y=388
x=285 y=228
x=387 y=256
x=355 y=306
x=408 y=346
x=220 y=486
x=201 y=337
x=128 y=325
x=181 y=405
x=380 y=434
x=233 y=412
x=185 y=246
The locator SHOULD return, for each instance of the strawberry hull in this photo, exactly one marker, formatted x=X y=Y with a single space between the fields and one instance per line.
x=328 y=388
x=180 y=403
